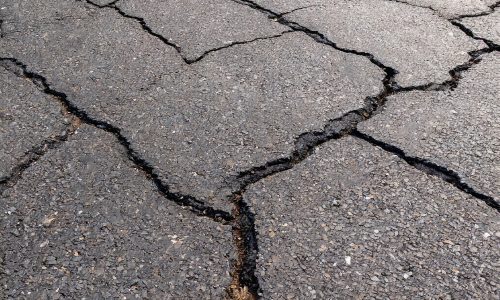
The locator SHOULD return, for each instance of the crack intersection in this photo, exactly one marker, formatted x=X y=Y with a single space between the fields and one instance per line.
x=245 y=282
x=168 y=41
x=198 y=207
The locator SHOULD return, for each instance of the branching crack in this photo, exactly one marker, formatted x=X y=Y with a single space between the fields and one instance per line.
x=245 y=284
x=195 y=205
x=168 y=42
x=316 y=35
x=337 y=128
x=430 y=168
x=455 y=21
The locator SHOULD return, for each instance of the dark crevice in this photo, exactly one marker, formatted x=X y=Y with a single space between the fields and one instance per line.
x=1 y=29
x=307 y=142
x=244 y=278
x=430 y=168
x=197 y=206
x=245 y=285
x=245 y=232
x=344 y=125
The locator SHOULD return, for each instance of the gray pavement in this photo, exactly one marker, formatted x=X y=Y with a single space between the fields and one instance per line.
x=83 y=222
x=353 y=221
x=456 y=129
x=238 y=149
x=487 y=26
x=28 y=117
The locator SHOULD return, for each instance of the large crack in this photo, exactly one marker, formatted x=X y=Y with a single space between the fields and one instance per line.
x=307 y=142
x=198 y=207
x=245 y=283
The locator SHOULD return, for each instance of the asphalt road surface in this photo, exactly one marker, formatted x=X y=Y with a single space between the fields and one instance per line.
x=247 y=149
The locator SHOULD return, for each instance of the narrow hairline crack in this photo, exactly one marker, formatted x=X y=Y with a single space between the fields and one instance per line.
x=232 y=44
x=316 y=35
x=200 y=208
x=430 y=168
x=37 y=152
x=168 y=42
x=417 y=5
x=491 y=9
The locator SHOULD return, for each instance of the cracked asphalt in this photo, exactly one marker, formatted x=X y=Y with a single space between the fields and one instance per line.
x=249 y=149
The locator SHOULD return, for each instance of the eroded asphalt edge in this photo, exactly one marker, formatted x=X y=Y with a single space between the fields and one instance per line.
x=245 y=282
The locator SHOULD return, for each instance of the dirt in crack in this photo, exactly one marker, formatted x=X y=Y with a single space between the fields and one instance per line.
x=335 y=129
x=245 y=285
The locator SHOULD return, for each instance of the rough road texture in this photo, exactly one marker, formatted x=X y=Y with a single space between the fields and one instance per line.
x=247 y=149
